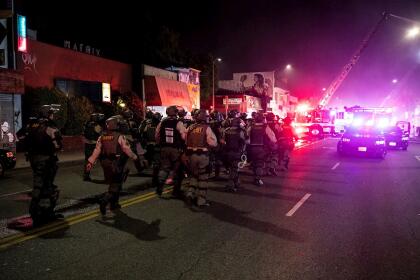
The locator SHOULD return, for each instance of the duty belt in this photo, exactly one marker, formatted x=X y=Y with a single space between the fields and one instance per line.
x=111 y=157
x=191 y=150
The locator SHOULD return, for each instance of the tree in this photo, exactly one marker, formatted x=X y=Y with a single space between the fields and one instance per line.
x=79 y=111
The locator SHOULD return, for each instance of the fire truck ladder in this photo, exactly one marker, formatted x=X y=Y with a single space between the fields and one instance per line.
x=353 y=60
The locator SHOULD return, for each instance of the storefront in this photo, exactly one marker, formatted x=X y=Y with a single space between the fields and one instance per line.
x=226 y=100
x=74 y=72
x=11 y=89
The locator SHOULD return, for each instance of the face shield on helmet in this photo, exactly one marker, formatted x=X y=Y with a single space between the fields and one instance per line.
x=47 y=111
x=97 y=117
x=112 y=124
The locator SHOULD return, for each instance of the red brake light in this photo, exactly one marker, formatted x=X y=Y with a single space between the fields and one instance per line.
x=9 y=154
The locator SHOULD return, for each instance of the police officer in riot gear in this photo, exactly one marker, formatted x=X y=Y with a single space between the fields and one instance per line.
x=200 y=138
x=286 y=143
x=182 y=116
x=170 y=135
x=216 y=119
x=260 y=135
x=152 y=148
x=273 y=150
x=91 y=132
x=233 y=145
x=42 y=142
x=113 y=149
x=148 y=117
x=130 y=129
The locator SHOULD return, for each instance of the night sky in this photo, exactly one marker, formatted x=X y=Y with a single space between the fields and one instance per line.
x=316 y=36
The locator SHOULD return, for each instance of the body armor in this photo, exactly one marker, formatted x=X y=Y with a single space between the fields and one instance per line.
x=110 y=146
x=169 y=134
x=197 y=137
x=257 y=134
x=233 y=139
x=38 y=142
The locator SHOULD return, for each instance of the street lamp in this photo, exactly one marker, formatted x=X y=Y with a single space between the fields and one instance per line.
x=413 y=32
x=213 y=63
x=288 y=67
x=394 y=81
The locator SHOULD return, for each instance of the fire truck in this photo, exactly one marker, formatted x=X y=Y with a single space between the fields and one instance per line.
x=314 y=122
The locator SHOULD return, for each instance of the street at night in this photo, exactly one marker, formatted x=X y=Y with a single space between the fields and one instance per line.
x=359 y=218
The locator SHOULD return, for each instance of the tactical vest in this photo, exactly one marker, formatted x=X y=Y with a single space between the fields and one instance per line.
x=38 y=142
x=89 y=131
x=233 y=139
x=275 y=129
x=150 y=133
x=111 y=149
x=257 y=134
x=197 y=136
x=169 y=134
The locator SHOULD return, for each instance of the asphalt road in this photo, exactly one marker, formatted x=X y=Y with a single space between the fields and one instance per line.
x=328 y=217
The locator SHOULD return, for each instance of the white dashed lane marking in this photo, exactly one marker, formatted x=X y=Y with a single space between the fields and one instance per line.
x=335 y=166
x=298 y=205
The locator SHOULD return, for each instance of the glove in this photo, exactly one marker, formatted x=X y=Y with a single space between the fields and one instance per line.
x=89 y=166
x=142 y=161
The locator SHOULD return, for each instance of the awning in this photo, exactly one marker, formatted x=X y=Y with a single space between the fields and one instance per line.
x=164 y=92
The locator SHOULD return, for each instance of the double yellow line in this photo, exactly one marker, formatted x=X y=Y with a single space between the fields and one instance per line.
x=34 y=233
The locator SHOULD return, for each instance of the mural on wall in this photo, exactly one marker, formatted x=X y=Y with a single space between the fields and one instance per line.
x=7 y=136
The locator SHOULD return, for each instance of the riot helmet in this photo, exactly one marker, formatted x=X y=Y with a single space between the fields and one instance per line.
x=172 y=111
x=127 y=114
x=97 y=117
x=202 y=116
x=259 y=117
x=47 y=111
x=233 y=114
x=113 y=123
x=270 y=117
x=181 y=112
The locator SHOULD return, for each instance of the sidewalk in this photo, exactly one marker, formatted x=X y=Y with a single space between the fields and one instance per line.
x=63 y=157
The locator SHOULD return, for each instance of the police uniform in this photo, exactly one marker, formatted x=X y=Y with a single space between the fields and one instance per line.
x=286 y=144
x=273 y=150
x=233 y=140
x=91 y=132
x=260 y=135
x=130 y=129
x=170 y=135
x=113 y=150
x=216 y=154
x=152 y=148
x=42 y=143
x=200 y=138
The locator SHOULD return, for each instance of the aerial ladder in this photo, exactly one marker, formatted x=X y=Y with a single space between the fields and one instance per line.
x=332 y=88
